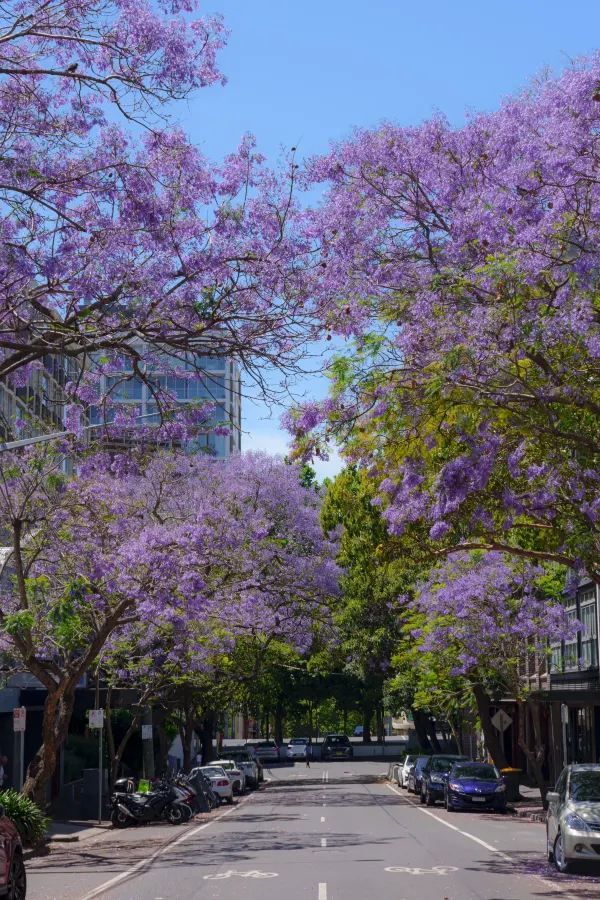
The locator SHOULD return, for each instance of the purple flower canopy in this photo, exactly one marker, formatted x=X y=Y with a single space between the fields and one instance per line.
x=488 y=610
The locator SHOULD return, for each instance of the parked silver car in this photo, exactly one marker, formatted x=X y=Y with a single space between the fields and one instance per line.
x=573 y=820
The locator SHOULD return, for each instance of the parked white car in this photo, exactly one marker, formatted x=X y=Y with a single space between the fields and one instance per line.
x=234 y=772
x=297 y=748
x=221 y=783
x=403 y=771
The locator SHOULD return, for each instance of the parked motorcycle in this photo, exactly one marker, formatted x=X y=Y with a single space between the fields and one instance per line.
x=163 y=803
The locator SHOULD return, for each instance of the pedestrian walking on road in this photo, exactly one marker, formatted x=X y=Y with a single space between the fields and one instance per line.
x=308 y=754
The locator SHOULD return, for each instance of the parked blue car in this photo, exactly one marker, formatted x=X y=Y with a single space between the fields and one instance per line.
x=473 y=785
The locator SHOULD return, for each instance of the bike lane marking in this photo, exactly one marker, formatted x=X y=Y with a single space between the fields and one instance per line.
x=143 y=863
x=427 y=812
x=322 y=890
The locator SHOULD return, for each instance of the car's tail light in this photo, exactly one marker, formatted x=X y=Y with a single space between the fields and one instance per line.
x=222 y=783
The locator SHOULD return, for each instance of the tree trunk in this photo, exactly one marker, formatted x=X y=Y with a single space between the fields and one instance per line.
x=186 y=733
x=537 y=755
x=433 y=740
x=163 y=746
x=117 y=758
x=491 y=736
x=278 y=724
x=367 y=716
x=420 y=723
x=206 y=737
x=58 y=709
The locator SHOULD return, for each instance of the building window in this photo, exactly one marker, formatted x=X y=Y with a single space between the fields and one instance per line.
x=571 y=651
x=589 y=633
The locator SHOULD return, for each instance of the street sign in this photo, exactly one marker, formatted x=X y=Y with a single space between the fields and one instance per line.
x=146 y=732
x=19 y=718
x=501 y=720
x=96 y=718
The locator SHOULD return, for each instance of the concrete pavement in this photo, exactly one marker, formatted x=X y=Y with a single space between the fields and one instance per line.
x=331 y=832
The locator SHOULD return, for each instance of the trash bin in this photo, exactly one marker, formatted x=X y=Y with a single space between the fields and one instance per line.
x=512 y=779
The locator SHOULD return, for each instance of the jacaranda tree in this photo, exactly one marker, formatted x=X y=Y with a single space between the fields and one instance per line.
x=464 y=263
x=117 y=238
x=186 y=555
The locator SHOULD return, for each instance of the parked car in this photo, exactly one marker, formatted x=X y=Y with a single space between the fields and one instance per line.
x=297 y=748
x=220 y=781
x=13 y=879
x=403 y=770
x=235 y=773
x=434 y=776
x=415 y=773
x=474 y=785
x=245 y=761
x=336 y=746
x=267 y=751
x=573 y=819
x=358 y=731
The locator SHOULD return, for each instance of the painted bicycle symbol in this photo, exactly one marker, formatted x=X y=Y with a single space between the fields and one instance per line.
x=415 y=870
x=230 y=873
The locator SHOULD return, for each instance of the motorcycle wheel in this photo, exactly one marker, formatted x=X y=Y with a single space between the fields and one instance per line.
x=119 y=819
x=175 y=815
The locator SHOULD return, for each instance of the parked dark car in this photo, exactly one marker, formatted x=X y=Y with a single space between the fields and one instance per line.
x=473 y=785
x=336 y=746
x=415 y=774
x=13 y=880
x=435 y=775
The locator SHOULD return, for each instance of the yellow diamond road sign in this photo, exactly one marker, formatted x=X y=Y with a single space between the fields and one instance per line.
x=501 y=720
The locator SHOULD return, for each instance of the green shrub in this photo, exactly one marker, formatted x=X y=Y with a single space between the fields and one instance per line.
x=29 y=819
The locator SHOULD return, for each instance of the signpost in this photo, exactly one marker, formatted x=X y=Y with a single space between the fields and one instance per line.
x=19 y=722
x=96 y=720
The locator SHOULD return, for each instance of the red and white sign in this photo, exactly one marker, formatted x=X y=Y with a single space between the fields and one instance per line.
x=96 y=718
x=19 y=718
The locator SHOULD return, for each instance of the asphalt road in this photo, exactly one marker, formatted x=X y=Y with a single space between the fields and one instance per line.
x=331 y=832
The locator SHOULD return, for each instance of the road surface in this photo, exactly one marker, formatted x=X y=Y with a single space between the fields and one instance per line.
x=331 y=832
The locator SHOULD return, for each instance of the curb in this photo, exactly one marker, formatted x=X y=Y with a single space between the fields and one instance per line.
x=530 y=816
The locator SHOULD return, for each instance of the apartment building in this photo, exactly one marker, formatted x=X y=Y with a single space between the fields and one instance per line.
x=190 y=379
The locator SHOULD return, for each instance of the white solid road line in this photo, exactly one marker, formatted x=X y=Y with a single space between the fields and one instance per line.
x=123 y=876
x=472 y=837
x=322 y=818
x=322 y=891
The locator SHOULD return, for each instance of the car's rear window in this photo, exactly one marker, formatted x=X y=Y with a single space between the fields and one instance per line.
x=299 y=741
x=338 y=739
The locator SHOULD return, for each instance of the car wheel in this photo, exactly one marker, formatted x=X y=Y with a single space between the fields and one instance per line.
x=230 y=799
x=560 y=860
x=17 y=879
x=428 y=798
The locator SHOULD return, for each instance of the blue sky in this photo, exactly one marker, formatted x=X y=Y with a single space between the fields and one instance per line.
x=305 y=73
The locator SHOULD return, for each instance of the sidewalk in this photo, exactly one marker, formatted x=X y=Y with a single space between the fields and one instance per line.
x=530 y=805
x=61 y=832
